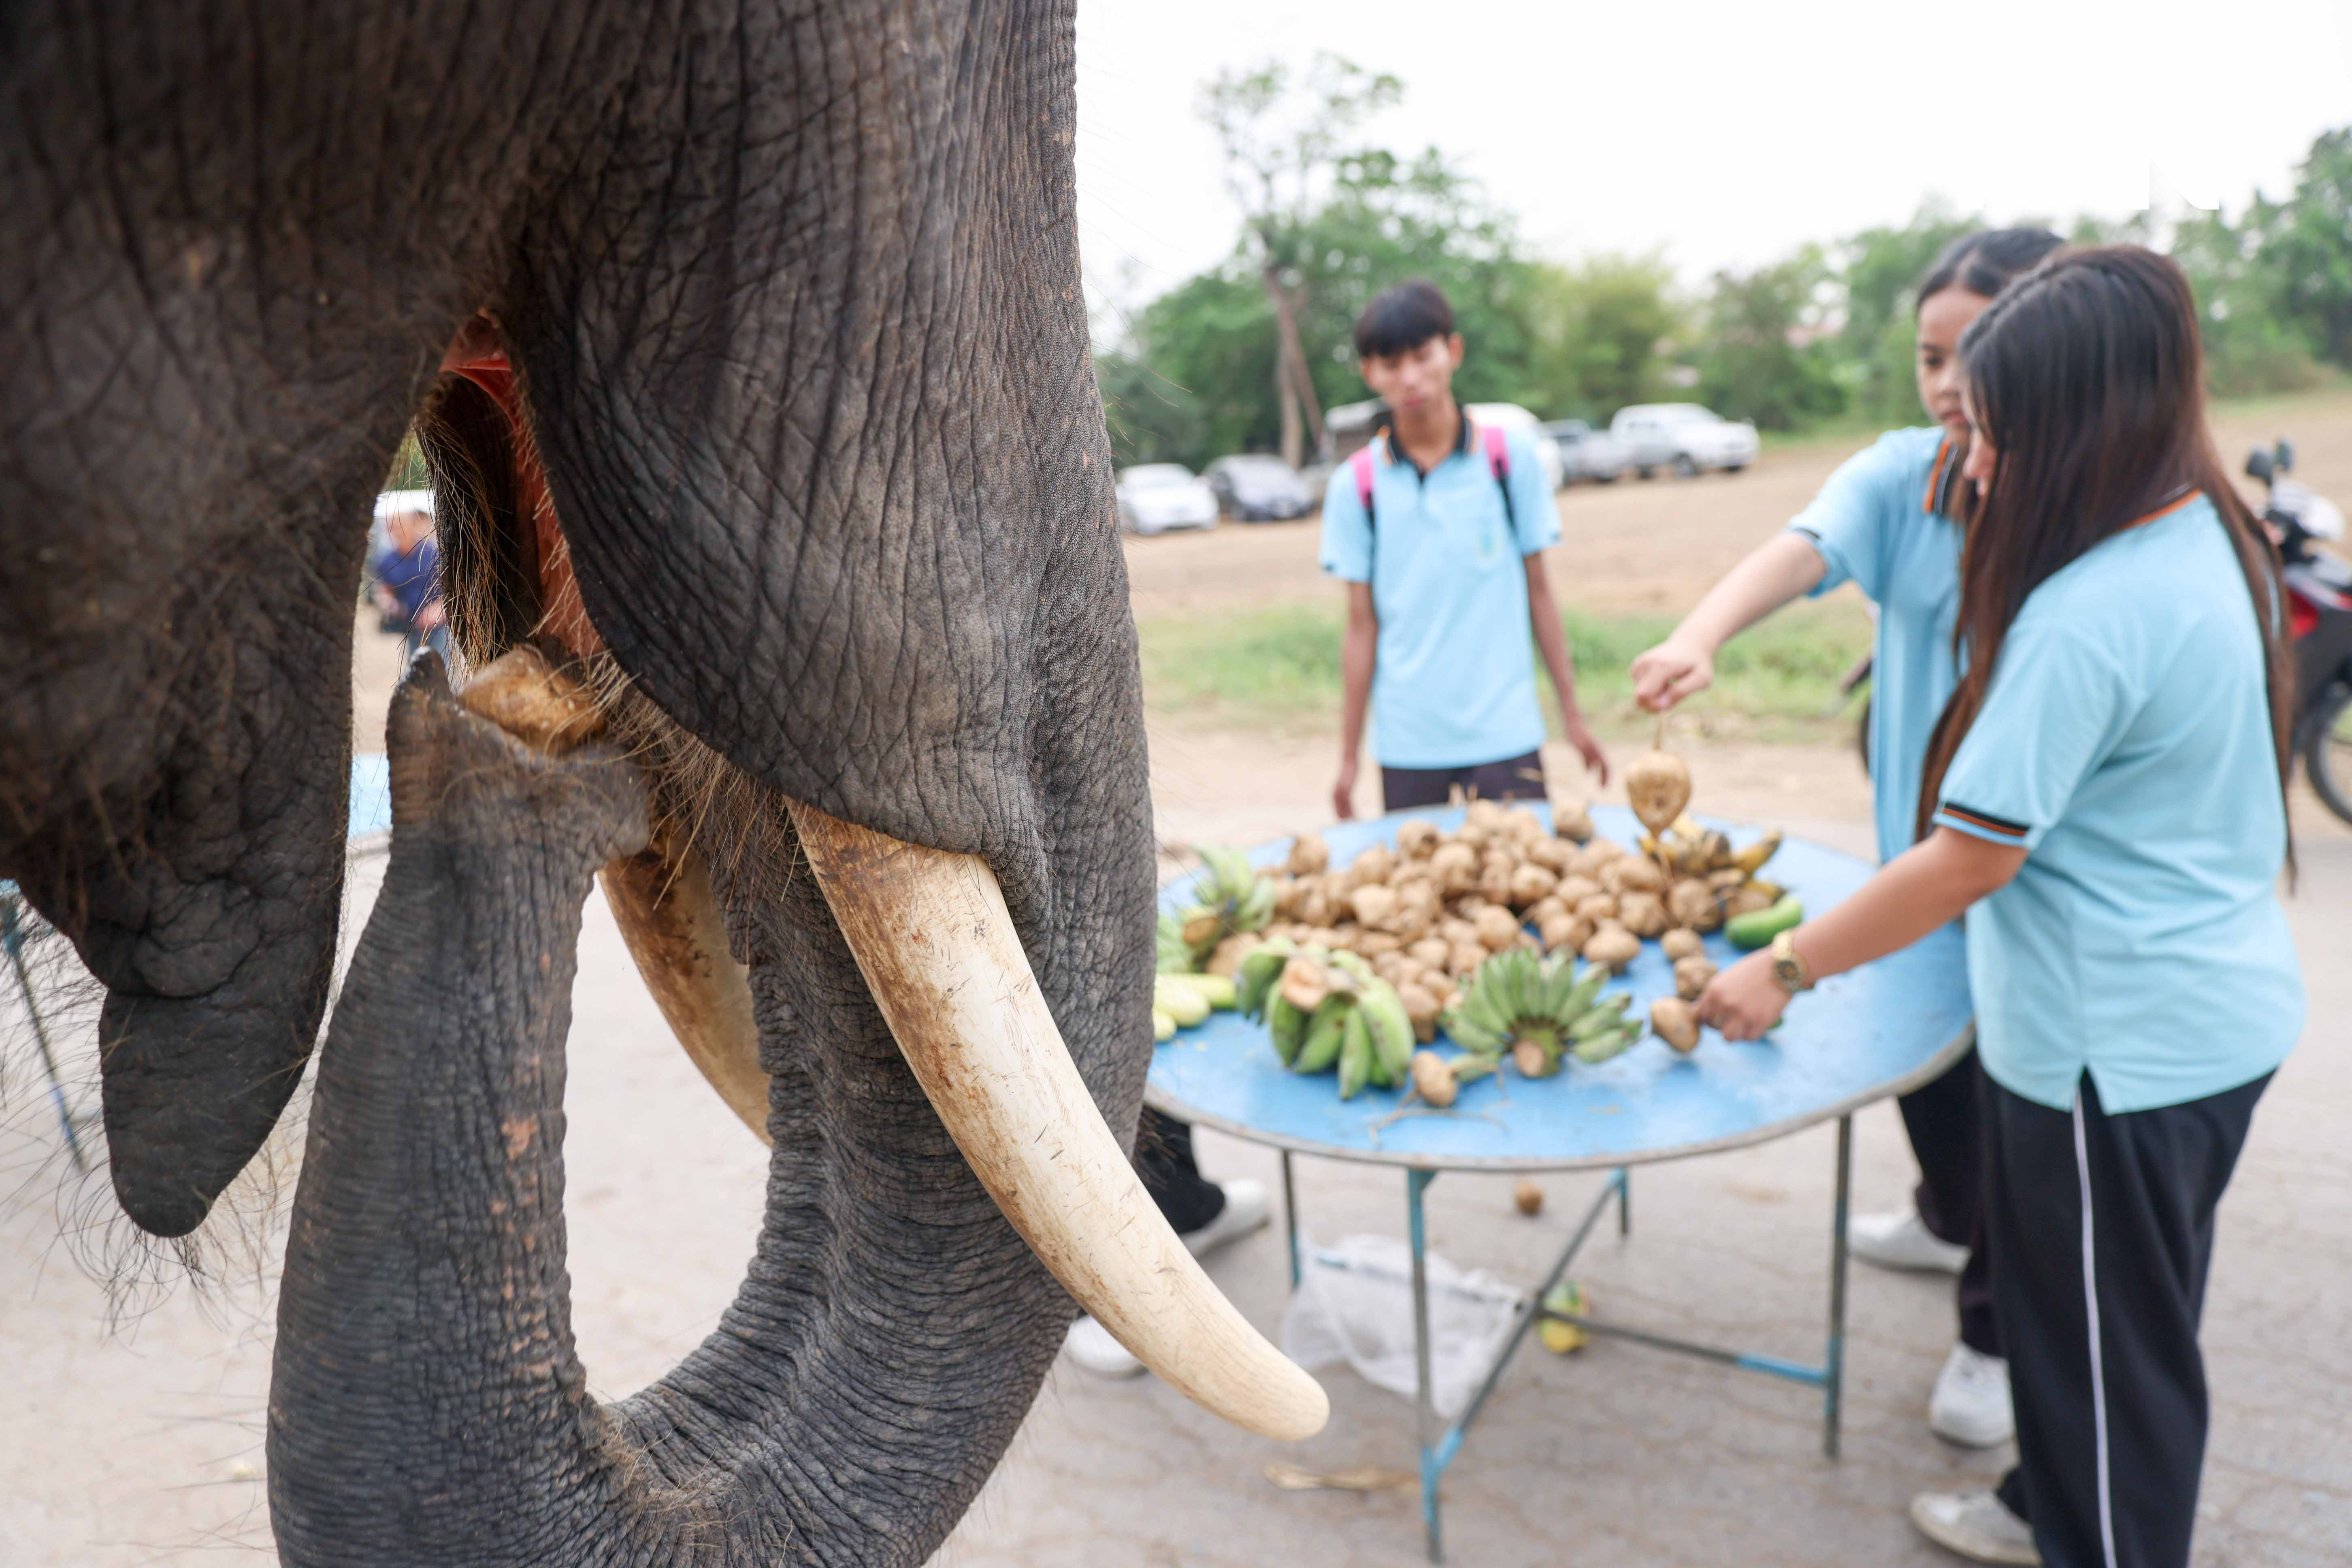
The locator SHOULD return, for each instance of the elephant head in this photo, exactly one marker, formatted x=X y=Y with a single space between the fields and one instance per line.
x=752 y=351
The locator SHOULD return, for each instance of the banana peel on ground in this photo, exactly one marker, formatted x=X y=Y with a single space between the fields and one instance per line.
x=1560 y=1337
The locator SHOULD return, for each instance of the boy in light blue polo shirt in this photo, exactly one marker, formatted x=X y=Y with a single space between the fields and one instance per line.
x=1439 y=529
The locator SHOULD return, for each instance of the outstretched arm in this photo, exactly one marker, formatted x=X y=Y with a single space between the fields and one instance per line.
x=1776 y=572
x=1544 y=612
x=1927 y=886
x=1357 y=646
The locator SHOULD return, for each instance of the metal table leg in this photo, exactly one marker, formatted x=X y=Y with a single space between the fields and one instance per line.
x=1290 y=1217
x=1833 y=1367
x=1425 y=1405
x=1625 y=1200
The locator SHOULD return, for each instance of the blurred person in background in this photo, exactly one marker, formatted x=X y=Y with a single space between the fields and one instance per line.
x=1439 y=529
x=407 y=573
x=1890 y=521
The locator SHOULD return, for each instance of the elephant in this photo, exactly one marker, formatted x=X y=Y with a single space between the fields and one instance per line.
x=747 y=345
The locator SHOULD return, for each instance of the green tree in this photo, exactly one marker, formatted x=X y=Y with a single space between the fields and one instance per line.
x=1283 y=148
x=2253 y=343
x=2304 y=247
x=1878 y=271
x=1599 y=328
x=1766 y=353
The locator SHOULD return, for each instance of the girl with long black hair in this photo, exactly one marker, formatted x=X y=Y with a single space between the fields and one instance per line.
x=1890 y=520
x=2104 y=795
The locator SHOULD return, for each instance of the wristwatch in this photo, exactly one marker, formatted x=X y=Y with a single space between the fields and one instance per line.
x=1787 y=967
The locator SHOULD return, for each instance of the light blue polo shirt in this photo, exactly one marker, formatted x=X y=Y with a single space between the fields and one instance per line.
x=2125 y=742
x=1454 y=680
x=1875 y=525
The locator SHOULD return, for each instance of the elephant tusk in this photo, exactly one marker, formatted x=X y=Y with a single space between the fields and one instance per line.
x=660 y=898
x=935 y=944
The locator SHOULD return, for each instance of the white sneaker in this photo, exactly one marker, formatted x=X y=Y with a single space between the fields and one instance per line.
x=1089 y=1344
x=1970 y=1405
x=1245 y=1210
x=1977 y=1525
x=1902 y=1241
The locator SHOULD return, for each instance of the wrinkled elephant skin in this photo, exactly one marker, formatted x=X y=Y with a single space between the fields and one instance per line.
x=789 y=299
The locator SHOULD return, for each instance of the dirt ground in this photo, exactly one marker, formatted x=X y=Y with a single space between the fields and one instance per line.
x=131 y=1430
x=1654 y=546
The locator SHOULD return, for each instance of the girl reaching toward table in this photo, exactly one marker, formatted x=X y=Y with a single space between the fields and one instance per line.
x=2104 y=796
x=1890 y=520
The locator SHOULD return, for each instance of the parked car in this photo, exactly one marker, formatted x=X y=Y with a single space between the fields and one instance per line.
x=1511 y=417
x=1586 y=453
x=1683 y=437
x=1257 y=486
x=1157 y=498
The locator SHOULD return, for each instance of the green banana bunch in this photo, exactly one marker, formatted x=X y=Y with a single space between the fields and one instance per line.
x=1260 y=967
x=1229 y=897
x=1537 y=1012
x=1175 y=954
x=1227 y=877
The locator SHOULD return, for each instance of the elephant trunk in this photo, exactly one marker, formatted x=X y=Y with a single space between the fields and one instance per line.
x=423 y=1331
x=429 y=1405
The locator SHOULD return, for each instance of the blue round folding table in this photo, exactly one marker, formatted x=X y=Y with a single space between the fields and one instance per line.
x=1880 y=1031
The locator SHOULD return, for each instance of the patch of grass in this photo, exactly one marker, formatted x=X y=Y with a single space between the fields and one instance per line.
x=1279 y=668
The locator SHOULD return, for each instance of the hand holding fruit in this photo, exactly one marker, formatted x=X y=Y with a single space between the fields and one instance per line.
x=1745 y=1000
x=1669 y=672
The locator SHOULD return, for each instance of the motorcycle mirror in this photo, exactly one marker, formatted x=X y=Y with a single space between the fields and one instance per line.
x=2285 y=455
x=2258 y=465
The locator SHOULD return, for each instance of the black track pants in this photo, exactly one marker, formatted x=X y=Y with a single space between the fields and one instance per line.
x=1513 y=778
x=1946 y=1121
x=2111 y=1407
x=1164 y=1158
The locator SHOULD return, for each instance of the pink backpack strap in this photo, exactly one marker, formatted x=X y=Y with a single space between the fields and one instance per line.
x=1361 y=466
x=1498 y=453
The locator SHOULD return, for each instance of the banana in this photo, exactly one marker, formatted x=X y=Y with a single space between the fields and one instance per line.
x=1587 y=986
x=1201 y=926
x=1183 y=1003
x=1750 y=857
x=1175 y=955
x=1599 y=1020
x=1479 y=1007
x=1260 y=968
x=1355 y=1054
x=1256 y=906
x=1286 y=1027
x=1392 y=1029
x=1469 y=1036
x=1602 y=1046
x=1231 y=874
x=1324 y=1032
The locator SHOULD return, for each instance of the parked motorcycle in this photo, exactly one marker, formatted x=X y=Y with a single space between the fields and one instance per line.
x=2320 y=617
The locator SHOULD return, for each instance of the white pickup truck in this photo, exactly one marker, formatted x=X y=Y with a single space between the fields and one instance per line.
x=1684 y=436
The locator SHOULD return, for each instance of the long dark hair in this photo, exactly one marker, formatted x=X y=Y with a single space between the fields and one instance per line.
x=2087 y=378
x=1985 y=262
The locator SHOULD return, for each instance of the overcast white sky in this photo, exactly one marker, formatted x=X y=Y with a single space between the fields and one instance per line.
x=1722 y=133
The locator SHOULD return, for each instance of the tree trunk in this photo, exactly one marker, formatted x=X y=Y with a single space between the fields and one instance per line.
x=1294 y=388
